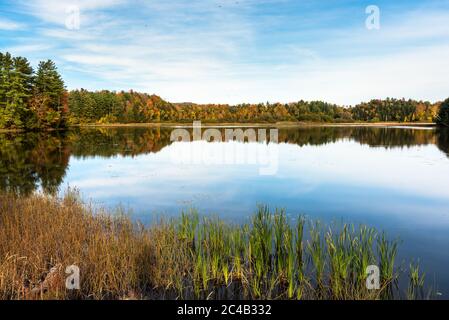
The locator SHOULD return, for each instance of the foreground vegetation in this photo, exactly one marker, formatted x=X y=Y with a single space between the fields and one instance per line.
x=38 y=100
x=189 y=257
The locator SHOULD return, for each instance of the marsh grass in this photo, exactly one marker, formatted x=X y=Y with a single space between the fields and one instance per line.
x=190 y=257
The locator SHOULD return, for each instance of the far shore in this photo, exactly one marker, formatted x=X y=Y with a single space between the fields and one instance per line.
x=243 y=125
x=263 y=124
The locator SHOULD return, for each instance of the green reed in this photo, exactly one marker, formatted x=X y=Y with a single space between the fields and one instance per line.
x=387 y=251
x=316 y=252
x=415 y=289
x=266 y=258
x=299 y=255
x=362 y=247
x=340 y=259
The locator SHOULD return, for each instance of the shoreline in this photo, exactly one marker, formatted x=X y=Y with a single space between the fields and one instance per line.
x=258 y=124
x=190 y=257
x=237 y=124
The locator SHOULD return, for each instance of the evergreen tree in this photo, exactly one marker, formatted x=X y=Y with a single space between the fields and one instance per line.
x=49 y=95
x=21 y=92
x=3 y=85
x=16 y=90
x=443 y=115
x=6 y=66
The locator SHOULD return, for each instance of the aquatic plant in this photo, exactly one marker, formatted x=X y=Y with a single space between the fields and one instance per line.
x=190 y=257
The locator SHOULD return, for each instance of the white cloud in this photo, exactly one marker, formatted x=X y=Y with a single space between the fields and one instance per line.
x=207 y=51
x=27 y=49
x=419 y=74
x=9 y=25
x=55 y=11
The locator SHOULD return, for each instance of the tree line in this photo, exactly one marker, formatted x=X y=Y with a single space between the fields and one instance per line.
x=128 y=107
x=35 y=100
x=134 y=107
x=31 y=99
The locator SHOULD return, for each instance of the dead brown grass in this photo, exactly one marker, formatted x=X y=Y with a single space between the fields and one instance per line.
x=39 y=232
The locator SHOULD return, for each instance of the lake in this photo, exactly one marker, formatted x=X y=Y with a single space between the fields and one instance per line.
x=393 y=178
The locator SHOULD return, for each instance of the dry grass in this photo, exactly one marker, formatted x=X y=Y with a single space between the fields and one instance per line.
x=39 y=232
x=190 y=257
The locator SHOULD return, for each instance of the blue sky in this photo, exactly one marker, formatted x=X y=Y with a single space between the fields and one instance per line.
x=240 y=50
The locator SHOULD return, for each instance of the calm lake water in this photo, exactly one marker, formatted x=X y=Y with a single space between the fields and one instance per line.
x=395 y=179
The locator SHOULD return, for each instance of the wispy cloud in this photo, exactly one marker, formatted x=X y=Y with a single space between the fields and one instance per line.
x=244 y=50
x=28 y=48
x=10 y=25
x=56 y=11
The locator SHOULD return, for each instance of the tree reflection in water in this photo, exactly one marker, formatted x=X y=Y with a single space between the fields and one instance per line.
x=29 y=161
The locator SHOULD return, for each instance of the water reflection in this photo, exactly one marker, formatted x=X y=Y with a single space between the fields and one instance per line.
x=394 y=179
x=443 y=140
x=29 y=161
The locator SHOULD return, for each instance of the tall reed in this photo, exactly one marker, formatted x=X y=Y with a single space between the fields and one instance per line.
x=190 y=257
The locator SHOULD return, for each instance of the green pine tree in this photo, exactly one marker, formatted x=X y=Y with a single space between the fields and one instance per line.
x=49 y=92
x=6 y=70
x=16 y=86
x=443 y=115
x=21 y=92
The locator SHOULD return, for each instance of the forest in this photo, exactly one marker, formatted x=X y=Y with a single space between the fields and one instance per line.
x=134 y=107
x=38 y=99
x=31 y=99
